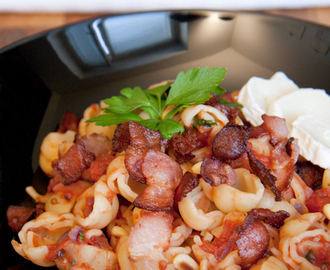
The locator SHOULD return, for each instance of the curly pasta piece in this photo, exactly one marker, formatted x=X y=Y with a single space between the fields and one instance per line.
x=36 y=235
x=194 y=209
x=205 y=112
x=84 y=128
x=243 y=196
x=270 y=263
x=304 y=241
x=49 y=149
x=96 y=207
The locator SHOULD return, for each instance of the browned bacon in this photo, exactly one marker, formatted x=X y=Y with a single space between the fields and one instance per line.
x=73 y=163
x=183 y=144
x=163 y=176
x=17 y=216
x=216 y=172
x=150 y=237
x=276 y=127
x=98 y=144
x=141 y=140
x=69 y=121
x=188 y=183
x=292 y=149
x=311 y=174
x=230 y=143
x=264 y=174
x=121 y=138
x=253 y=242
x=274 y=219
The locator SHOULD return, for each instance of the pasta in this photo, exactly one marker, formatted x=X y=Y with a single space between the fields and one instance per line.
x=223 y=195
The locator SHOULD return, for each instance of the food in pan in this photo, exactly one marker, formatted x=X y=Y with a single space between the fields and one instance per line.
x=182 y=176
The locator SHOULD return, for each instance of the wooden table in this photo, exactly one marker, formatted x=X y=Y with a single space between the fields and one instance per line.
x=15 y=26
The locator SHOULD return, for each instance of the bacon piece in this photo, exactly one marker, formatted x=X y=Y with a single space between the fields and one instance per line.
x=98 y=144
x=231 y=112
x=230 y=143
x=253 y=242
x=274 y=219
x=183 y=144
x=189 y=182
x=141 y=140
x=281 y=166
x=216 y=172
x=154 y=198
x=163 y=176
x=150 y=237
x=98 y=167
x=264 y=174
x=73 y=163
x=121 y=138
x=17 y=216
x=241 y=162
x=292 y=149
x=276 y=127
x=258 y=132
x=69 y=121
x=311 y=174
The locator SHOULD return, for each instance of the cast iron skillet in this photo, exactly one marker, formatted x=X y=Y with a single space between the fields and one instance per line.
x=71 y=67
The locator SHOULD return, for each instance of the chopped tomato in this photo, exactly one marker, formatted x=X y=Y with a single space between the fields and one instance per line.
x=318 y=199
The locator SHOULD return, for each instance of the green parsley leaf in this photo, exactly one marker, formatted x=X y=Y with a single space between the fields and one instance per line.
x=81 y=236
x=202 y=122
x=223 y=101
x=192 y=87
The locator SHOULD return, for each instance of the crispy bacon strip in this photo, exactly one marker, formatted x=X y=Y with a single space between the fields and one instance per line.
x=17 y=216
x=98 y=144
x=141 y=140
x=121 y=138
x=274 y=219
x=230 y=143
x=163 y=176
x=189 y=182
x=73 y=163
x=216 y=172
x=276 y=127
x=150 y=237
x=264 y=174
x=311 y=174
x=183 y=144
x=253 y=242
x=69 y=121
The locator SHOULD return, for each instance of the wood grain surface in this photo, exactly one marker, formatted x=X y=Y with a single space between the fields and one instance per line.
x=16 y=26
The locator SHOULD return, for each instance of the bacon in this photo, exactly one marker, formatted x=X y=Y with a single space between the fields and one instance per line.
x=69 y=121
x=264 y=174
x=253 y=242
x=258 y=132
x=163 y=176
x=292 y=149
x=311 y=174
x=276 y=127
x=17 y=216
x=98 y=144
x=216 y=172
x=98 y=167
x=241 y=162
x=231 y=112
x=189 y=182
x=89 y=206
x=150 y=237
x=230 y=143
x=274 y=219
x=73 y=163
x=183 y=144
x=141 y=140
x=121 y=138
x=154 y=198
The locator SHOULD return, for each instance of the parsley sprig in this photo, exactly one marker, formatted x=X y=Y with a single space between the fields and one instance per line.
x=192 y=87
